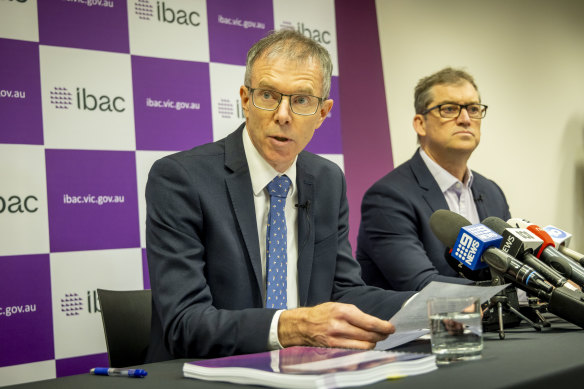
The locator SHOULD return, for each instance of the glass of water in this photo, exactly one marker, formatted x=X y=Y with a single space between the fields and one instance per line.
x=456 y=328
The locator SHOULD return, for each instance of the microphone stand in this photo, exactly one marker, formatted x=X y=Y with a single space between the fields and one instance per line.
x=504 y=302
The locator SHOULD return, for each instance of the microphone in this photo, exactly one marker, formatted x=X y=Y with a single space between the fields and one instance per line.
x=305 y=205
x=563 y=302
x=576 y=256
x=465 y=272
x=559 y=236
x=509 y=266
x=470 y=243
x=551 y=256
x=520 y=243
x=561 y=239
x=567 y=304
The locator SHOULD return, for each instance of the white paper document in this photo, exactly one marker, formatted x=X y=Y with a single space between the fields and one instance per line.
x=411 y=321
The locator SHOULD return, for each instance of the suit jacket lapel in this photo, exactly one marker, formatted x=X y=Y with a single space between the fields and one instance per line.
x=306 y=188
x=241 y=193
x=479 y=197
x=431 y=191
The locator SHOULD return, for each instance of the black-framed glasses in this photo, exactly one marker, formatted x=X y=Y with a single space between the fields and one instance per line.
x=269 y=100
x=451 y=110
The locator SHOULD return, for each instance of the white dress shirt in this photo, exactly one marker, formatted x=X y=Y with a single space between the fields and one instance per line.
x=262 y=173
x=458 y=194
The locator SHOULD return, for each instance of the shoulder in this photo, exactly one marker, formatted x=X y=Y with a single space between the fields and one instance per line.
x=206 y=150
x=400 y=179
x=319 y=166
x=198 y=159
x=484 y=183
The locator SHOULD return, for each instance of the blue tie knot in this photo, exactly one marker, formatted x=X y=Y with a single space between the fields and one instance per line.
x=279 y=186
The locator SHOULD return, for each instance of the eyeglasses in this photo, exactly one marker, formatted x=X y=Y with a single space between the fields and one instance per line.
x=451 y=111
x=270 y=100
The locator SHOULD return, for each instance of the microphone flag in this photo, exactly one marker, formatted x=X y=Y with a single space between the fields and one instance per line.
x=472 y=242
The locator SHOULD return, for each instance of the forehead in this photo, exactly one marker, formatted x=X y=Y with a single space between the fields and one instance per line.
x=287 y=74
x=462 y=92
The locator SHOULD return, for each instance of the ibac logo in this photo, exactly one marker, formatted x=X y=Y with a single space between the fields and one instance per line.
x=72 y=303
x=167 y=14
x=60 y=97
x=143 y=9
x=89 y=102
x=17 y=204
x=226 y=109
x=317 y=35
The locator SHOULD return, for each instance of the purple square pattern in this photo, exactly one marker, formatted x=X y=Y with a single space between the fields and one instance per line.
x=26 y=319
x=172 y=103
x=20 y=93
x=93 y=201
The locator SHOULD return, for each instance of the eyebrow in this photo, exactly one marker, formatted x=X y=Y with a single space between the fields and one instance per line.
x=454 y=102
x=306 y=91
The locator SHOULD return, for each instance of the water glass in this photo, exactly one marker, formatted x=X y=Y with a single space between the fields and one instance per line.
x=455 y=328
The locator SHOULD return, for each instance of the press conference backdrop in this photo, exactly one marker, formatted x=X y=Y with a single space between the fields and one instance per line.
x=92 y=92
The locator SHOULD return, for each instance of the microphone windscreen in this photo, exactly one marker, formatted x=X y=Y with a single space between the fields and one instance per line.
x=568 y=304
x=446 y=225
x=496 y=224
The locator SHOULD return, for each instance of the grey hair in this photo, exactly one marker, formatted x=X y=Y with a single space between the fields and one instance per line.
x=291 y=45
x=423 y=91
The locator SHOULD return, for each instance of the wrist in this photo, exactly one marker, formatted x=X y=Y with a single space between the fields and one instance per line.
x=289 y=332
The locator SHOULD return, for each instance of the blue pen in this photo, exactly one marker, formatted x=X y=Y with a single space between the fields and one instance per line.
x=119 y=372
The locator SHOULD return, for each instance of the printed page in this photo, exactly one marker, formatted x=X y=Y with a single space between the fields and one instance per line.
x=411 y=321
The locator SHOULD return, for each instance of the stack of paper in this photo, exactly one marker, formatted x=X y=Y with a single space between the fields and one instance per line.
x=311 y=367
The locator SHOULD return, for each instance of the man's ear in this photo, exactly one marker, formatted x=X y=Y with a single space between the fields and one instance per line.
x=324 y=110
x=245 y=99
x=419 y=124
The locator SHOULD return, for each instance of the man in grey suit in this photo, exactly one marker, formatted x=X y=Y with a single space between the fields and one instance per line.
x=208 y=211
x=396 y=247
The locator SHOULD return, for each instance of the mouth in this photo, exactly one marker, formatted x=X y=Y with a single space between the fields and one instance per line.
x=281 y=139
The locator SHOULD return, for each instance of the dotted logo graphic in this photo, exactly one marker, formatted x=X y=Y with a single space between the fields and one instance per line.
x=71 y=304
x=463 y=248
x=466 y=249
x=143 y=9
x=286 y=25
x=225 y=108
x=61 y=98
x=555 y=232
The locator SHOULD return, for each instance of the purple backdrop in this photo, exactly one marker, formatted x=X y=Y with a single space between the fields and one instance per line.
x=20 y=102
x=92 y=199
x=172 y=103
x=365 y=130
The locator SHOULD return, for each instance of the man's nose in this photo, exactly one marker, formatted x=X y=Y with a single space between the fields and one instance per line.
x=284 y=111
x=463 y=117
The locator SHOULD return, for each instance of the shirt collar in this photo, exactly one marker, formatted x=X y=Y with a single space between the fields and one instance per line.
x=261 y=171
x=444 y=179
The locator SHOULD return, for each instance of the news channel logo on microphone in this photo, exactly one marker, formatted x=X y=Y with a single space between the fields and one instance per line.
x=559 y=236
x=471 y=243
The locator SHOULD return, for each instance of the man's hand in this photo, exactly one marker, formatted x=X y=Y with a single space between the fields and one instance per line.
x=332 y=325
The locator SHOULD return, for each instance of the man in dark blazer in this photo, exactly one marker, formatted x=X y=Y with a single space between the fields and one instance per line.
x=206 y=219
x=396 y=247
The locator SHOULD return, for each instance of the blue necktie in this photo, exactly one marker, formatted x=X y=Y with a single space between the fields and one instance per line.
x=276 y=244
